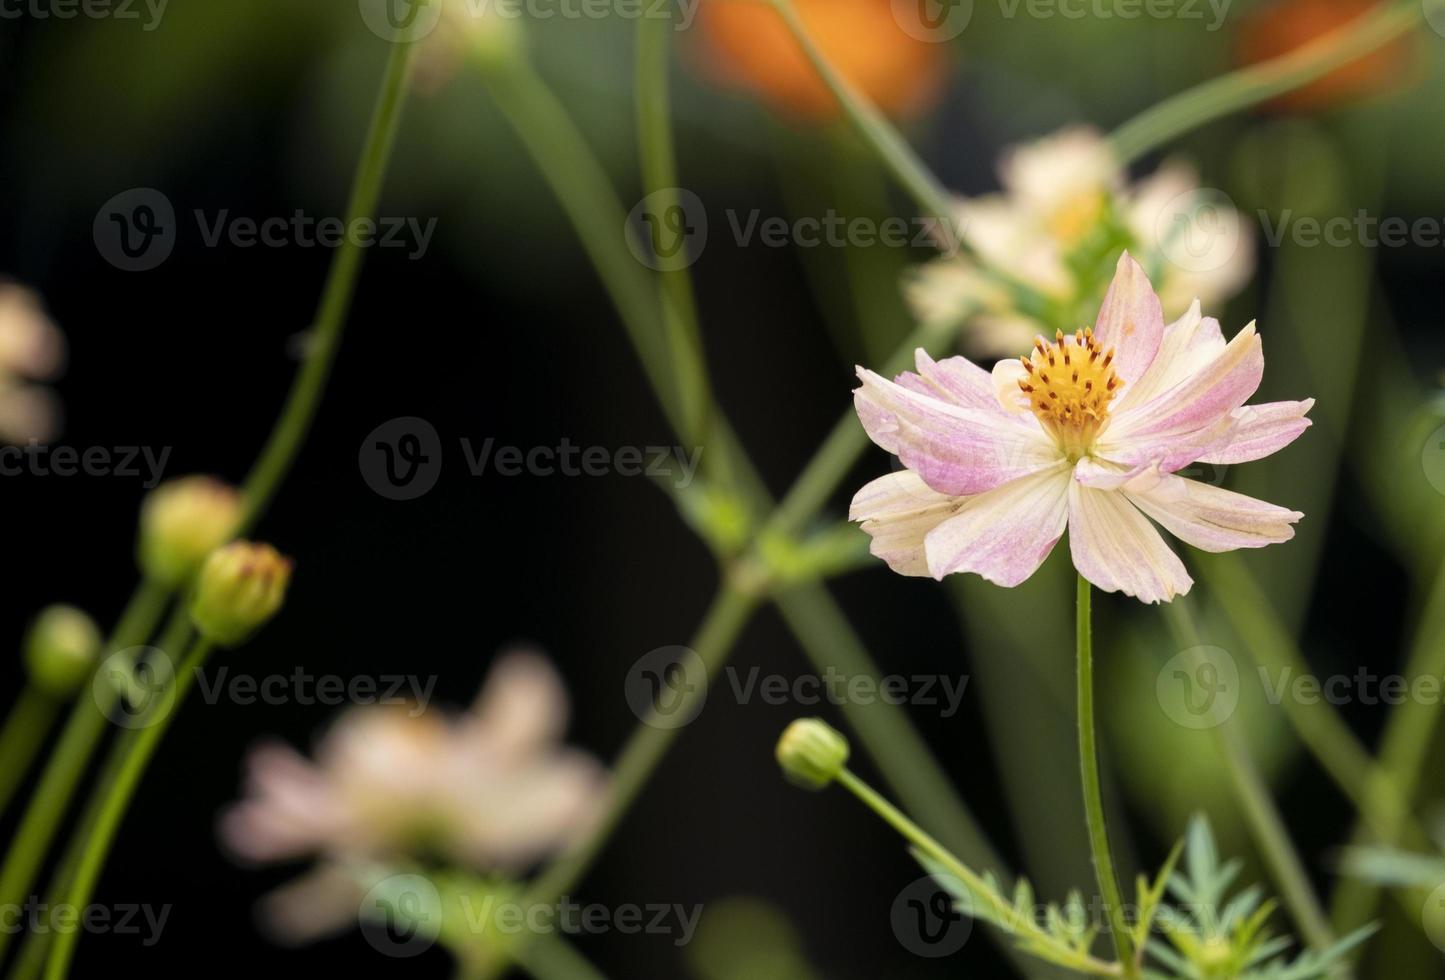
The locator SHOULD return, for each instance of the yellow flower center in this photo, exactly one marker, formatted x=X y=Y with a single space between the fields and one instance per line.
x=1072 y=219
x=1070 y=384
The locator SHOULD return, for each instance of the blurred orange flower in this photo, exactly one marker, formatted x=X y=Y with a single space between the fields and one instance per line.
x=1282 y=27
x=746 y=43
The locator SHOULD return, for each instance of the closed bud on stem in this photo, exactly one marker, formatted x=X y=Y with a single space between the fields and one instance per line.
x=61 y=649
x=240 y=587
x=812 y=753
x=181 y=522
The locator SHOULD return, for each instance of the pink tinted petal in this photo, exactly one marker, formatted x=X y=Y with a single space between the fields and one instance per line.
x=1005 y=534
x=897 y=511
x=955 y=450
x=1116 y=548
x=958 y=380
x=1214 y=519
x=1190 y=343
x=522 y=707
x=1131 y=321
x=1196 y=412
x=1260 y=430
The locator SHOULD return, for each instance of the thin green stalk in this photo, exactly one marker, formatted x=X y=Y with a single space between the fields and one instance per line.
x=1093 y=790
x=33 y=952
x=300 y=409
x=25 y=729
x=1263 y=817
x=552 y=958
x=1409 y=737
x=86 y=725
x=83 y=729
x=1250 y=86
x=979 y=889
x=1319 y=726
x=112 y=811
x=892 y=149
x=659 y=184
x=649 y=742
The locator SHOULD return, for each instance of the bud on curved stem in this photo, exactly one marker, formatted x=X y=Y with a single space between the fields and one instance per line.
x=240 y=587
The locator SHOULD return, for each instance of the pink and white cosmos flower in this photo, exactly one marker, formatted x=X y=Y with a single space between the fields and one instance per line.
x=1085 y=433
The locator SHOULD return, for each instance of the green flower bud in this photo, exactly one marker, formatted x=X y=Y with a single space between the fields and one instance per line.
x=61 y=649
x=812 y=753
x=240 y=587
x=181 y=522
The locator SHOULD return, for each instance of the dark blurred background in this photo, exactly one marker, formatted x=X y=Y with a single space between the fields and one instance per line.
x=501 y=330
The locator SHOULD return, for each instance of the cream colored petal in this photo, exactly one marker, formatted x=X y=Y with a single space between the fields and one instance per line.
x=1116 y=548
x=897 y=511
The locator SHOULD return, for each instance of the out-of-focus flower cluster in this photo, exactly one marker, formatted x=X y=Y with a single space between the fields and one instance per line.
x=490 y=790
x=32 y=349
x=1066 y=212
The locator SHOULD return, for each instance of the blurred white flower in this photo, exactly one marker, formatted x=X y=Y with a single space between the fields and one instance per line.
x=1065 y=197
x=32 y=348
x=491 y=789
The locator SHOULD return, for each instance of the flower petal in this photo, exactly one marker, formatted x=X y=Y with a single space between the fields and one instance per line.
x=1260 y=430
x=897 y=511
x=1131 y=321
x=1212 y=518
x=1190 y=343
x=1006 y=533
x=958 y=380
x=1194 y=416
x=1116 y=548
x=956 y=450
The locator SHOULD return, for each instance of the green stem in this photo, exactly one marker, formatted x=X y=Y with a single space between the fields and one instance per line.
x=1319 y=726
x=1263 y=817
x=1249 y=86
x=1018 y=921
x=1409 y=736
x=300 y=409
x=35 y=949
x=892 y=149
x=649 y=742
x=117 y=797
x=83 y=729
x=1093 y=790
x=659 y=184
x=25 y=729
x=553 y=958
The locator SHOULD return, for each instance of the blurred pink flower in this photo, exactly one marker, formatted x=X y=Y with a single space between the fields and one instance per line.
x=32 y=348
x=491 y=789
x=1085 y=433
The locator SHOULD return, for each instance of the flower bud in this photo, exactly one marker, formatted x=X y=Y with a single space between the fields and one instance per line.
x=61 y=649
x=239 y=588
x=181 y=522
x=812 y=753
